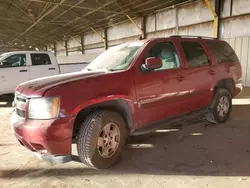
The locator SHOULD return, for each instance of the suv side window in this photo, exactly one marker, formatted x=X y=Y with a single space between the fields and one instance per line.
x=166 y=51
x=40 y=59
x=223 y=52
x=195 y=54
x=17 y=60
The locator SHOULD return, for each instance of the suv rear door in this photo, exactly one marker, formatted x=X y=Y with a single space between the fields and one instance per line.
x=200 y=73
x=160 y=92
x=42 y=65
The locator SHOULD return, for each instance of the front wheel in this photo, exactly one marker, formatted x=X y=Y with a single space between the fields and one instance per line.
x=221 y=107
x=101 y=139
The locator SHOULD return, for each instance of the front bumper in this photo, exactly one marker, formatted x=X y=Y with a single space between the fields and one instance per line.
x=53 y=159
x=238 y=88
x=45 y=137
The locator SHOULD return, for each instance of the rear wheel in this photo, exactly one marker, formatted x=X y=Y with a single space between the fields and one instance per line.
x=221 y=107
x=101 y=139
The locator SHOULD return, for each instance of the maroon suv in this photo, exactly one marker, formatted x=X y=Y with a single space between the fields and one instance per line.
x=127 y=88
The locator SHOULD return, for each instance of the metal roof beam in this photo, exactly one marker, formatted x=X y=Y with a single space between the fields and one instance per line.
x=83 y=25
x=30 y=27
x=65 y=11
x=134 y=22
x=7 y=10
x=30 y=21
x=44 y=9
x=80 y=17
x=78 y=24
x=26 y=6
x=138 y=27
x=13 y=29
x=69 y=31
x=88 y=28
x=32 y=37
x=21 y=10
x=76 y=6
x=7 y=36
x=86 y=23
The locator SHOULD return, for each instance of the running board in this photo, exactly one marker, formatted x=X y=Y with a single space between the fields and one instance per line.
x=181 y=120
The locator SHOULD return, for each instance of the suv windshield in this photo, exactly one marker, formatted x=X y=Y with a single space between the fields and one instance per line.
x=1 y=56
x=116 y=58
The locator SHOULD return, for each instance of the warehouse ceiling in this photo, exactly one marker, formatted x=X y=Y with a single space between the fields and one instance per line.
x=42 y=22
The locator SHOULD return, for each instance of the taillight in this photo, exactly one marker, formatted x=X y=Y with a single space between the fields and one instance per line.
x=239 y=70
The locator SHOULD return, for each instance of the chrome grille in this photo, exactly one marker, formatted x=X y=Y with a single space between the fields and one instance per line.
x=20 y=113
x=20 y=105
x=20 y=99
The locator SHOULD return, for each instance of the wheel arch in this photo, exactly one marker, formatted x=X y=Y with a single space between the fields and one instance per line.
x=121 y=106
x=227 y=84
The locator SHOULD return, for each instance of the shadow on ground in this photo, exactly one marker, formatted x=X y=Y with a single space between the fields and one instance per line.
x=197 y=149
x=6 y=101
x=10 y=144
x=220 y=150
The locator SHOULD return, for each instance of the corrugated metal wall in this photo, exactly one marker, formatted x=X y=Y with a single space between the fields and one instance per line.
x=191 y=19
x=241 y=45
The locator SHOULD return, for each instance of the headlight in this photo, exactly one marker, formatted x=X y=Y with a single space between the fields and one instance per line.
x=44 y=108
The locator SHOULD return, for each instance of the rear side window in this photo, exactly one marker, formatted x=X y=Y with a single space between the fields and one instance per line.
x=195 y=54
x=40 y=59
x=223 y=52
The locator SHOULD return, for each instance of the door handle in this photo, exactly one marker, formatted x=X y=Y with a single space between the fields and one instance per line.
x=180 y=78
x=52 y=68
x=211 y=72
x=23 y=71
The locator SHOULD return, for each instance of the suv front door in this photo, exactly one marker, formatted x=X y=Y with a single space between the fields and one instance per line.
x=160 y=92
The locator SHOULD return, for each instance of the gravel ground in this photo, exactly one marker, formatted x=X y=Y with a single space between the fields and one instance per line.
x=193 y=156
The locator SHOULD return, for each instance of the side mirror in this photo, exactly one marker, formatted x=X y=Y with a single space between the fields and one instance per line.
x=4 y=63
x=152 y=63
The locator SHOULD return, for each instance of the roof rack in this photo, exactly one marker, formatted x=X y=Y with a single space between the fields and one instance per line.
x=191 y=36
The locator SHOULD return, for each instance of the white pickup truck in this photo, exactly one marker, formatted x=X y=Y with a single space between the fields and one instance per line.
x=21 y=66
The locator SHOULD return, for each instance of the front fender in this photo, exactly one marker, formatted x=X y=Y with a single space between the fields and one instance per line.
x=102 y=99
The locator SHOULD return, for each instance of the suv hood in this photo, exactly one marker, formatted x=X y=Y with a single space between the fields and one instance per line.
x=38 y=86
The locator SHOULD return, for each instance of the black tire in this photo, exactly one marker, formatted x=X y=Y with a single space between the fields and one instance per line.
x=88 y=138
x=213 y=115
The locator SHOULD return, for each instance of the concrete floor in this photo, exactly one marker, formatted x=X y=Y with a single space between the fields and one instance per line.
x=195 y=156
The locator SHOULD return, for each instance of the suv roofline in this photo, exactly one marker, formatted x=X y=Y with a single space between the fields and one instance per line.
x=20 y=52
x=183 y=37
x=193 y=36
x=29 y=51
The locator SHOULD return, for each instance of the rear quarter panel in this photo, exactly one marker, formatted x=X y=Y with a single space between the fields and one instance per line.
x=227 y=70
x=230 y=70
